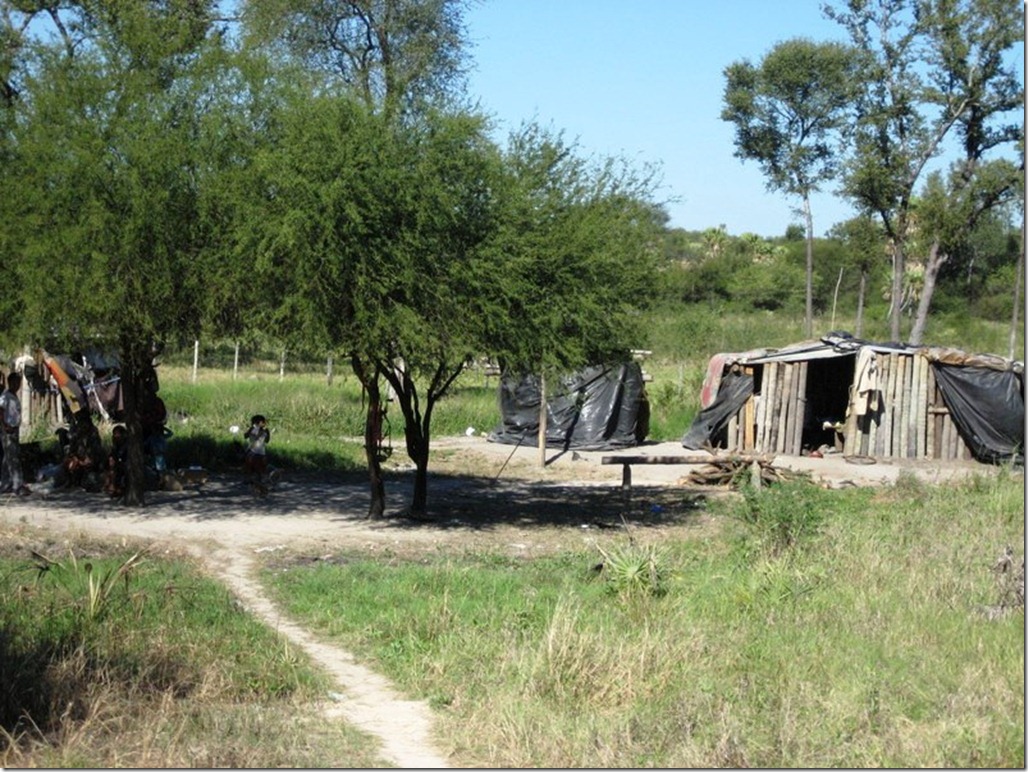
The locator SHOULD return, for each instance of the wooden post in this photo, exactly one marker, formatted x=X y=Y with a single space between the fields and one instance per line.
x=758 y=440
x=196 y=358
x=873 y=419
x=785 y=374
x=888 y=392
x=931 y=418
x=235 y=362
x=904 y=405
x=801 y=408
x=329 y=368
x=922 y=408
x=282 y=366
x=748 y=413
x=542 y=421
x=774 y=407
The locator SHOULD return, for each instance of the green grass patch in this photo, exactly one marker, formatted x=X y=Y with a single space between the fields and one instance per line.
x=816 y=629
x=118 y=658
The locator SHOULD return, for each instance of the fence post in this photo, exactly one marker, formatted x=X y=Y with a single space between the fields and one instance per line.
x=196 y=358
x=282 y=366
x=330 y=370
x=235 y=362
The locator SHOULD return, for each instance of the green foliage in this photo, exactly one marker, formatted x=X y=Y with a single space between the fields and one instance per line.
x=784 y=519
x=632 y=570
x=104 y=629
x=90 y=589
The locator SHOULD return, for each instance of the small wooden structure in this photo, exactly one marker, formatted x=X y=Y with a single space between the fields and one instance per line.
x=857 y=398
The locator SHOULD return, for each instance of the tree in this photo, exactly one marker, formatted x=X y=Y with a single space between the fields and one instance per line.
x=394 y=55
x=789 y=114
x=865 y=244
x=949 y=211
x=104 y=173
x=932 y=69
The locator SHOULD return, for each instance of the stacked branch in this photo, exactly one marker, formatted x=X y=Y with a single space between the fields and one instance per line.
x=737 y=470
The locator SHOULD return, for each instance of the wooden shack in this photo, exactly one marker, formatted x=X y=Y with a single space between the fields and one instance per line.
x=839 y=394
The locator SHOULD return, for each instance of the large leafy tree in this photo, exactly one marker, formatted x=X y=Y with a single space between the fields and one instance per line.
x=789 y=114
x=379 y=231
x=102 y=161
x=934 y=70
x=578 y=239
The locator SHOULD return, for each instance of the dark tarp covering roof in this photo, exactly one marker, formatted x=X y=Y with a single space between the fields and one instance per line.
x=601 y=407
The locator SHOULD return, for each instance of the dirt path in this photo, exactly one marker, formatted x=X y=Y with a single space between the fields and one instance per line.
x=366 y=699
x=485 y=494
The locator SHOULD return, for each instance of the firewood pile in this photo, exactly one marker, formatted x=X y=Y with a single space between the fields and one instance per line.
x=737 y=470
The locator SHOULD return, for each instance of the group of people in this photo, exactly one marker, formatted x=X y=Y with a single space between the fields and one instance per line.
x=84 y=462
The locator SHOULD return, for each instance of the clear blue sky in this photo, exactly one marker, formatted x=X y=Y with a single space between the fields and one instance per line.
x=643 y=79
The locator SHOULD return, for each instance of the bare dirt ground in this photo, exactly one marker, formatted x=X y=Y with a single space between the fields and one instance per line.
x=482 y=495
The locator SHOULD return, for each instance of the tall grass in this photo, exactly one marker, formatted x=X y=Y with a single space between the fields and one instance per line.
x=108 y=659
x=851 y=636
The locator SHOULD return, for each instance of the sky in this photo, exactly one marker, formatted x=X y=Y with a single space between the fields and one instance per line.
x=643 y=80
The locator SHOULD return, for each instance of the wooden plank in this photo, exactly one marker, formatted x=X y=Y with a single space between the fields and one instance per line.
x=916 y=389
x=801 y=408
x=929 y=440
x=922 y=408
x=875 y=417
x=783 y=416
x=773 y=408
x=706 y=458
x=883 y=387
x=890 y=410
x=849 y=441
x=732 y=433
x=902 y=404
x=758 y=421
x=947 y=436
x=748 y=414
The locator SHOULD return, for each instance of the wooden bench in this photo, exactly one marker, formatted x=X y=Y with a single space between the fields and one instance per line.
x=754 y=460
x=628 y=461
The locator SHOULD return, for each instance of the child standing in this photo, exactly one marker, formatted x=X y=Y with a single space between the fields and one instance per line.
x=257 y=438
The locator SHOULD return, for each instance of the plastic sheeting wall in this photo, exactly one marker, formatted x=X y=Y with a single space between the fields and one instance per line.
x=598 y=408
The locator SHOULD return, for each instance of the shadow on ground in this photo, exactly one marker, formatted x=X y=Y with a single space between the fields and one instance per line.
x=455 y=501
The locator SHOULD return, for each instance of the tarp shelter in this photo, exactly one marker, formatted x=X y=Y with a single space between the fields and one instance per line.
x=601 y=407
x=863 y=399
x=60 y=384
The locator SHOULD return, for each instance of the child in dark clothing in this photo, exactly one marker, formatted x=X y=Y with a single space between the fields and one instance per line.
x=257 y=438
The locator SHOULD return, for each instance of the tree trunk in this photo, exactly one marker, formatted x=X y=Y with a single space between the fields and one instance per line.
x=418 y=450
x=896 y=302
x=936 y=259
x=372 y=434
x=808 y=319
x=416 y=433
x=139 y=393
x=135 y=465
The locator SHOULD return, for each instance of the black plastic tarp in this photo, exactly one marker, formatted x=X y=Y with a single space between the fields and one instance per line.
x=601 y=407
x=732 y=393
x=987 y=407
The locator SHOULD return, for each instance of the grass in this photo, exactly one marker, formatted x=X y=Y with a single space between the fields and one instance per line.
x=111 y=657
x=856 y=638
